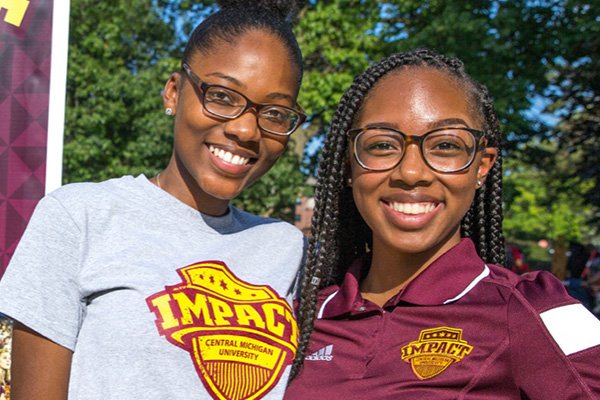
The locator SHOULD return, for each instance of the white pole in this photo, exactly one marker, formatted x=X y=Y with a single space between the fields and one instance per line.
x=57 y=97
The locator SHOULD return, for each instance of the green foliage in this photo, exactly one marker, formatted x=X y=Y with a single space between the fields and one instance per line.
x=119 y=59
x=575 y=93
x=547 y=203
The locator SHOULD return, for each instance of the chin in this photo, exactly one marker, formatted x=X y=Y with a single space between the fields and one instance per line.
x=418 y=244
x=221 y=188
x=228 y=196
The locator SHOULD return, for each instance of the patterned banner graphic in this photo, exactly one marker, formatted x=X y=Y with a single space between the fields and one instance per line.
x=26 y=35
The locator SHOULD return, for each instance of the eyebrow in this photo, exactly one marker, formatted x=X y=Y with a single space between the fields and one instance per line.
x=431 y=125
x=228 y=78
x=445 y=122
x=270 y=96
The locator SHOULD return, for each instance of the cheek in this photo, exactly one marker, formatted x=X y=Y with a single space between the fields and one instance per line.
x=274 y=147
x=461 y=192
x=188 y=132
x=365 y=193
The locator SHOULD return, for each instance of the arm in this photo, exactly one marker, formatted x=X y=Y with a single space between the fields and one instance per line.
x=555 y=341
x=40 y=367
x=40 y=290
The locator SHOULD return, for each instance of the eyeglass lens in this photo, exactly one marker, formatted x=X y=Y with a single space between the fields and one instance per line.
x=443 y=150
x=230 y=104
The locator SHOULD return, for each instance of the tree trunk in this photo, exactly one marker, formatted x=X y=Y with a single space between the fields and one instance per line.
x=559 y=258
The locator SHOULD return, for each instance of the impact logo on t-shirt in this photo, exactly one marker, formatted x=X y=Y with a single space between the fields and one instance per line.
x=240 y=336
x=436 y=350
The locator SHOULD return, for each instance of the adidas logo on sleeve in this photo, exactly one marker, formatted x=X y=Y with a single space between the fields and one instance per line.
x=325 y=354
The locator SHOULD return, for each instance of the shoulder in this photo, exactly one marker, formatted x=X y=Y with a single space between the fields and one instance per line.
x=78 y=200
x=267 y=226
x=123 y=192
x=537 y=290
x=550 y=331
x=539 y=306
x=89 y=191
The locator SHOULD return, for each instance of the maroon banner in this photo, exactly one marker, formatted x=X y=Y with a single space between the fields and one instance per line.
x=25 y=50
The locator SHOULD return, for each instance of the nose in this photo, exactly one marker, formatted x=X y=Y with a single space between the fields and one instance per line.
x=412 y=169
x=244 y=128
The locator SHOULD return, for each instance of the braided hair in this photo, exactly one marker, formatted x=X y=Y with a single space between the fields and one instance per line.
x=237 y=17
x=338 y=232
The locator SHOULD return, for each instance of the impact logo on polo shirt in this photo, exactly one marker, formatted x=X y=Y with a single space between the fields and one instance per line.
x=240 y=336
x=435 y=351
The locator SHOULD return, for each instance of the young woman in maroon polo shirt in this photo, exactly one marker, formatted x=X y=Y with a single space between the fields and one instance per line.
x=402 y=296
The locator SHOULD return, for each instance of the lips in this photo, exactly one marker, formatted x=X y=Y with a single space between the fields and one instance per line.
x=411 y=210
x=231 y=161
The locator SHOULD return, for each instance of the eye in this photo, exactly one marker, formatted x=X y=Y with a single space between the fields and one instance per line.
x=275 y=114
x=380 y=146
x=446 y=145
x=220 y=96
x=377 y=143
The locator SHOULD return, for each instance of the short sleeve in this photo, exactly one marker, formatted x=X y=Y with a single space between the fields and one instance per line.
x=555 y=341
x=296 y=286
x=40 y=286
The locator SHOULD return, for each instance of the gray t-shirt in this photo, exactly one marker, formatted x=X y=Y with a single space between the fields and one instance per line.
x=156 y=300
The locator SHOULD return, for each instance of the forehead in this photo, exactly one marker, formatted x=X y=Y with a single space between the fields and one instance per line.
x=254 y=57
x=414 y=96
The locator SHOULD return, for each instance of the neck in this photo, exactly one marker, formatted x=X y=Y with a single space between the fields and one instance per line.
x=391 y=270
x=387 y=276
x=180 y=184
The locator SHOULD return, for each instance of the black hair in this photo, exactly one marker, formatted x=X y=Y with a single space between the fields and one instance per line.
x=338 y=232
x=237 y=17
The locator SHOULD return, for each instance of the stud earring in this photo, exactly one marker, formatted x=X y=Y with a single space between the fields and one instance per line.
x=479 y=183
x=349 y=182
x=169 y=111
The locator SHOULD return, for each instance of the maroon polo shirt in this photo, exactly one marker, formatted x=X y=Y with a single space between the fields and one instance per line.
x=460 y=330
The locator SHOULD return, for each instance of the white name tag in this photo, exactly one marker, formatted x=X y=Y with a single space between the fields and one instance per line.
x=573 y=327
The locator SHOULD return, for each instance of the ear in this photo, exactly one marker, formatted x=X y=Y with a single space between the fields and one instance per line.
x=170 y=93
x=488 y=159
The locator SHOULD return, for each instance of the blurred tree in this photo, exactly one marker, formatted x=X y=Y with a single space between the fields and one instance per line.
x=120 y=55
x=568 y=156
x=575 y=93
x=548 y=202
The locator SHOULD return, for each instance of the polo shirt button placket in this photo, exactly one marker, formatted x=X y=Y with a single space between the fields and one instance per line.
x=375 y=336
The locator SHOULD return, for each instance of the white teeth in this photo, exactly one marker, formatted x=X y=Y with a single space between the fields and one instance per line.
x=413 y=208
x=228 y=157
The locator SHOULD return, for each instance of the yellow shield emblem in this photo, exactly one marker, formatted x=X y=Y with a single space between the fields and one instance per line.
x=240 y=336
x=435 y=351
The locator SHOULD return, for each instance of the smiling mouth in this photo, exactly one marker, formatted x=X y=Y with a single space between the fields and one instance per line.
x=412 y=208
x=228 y=156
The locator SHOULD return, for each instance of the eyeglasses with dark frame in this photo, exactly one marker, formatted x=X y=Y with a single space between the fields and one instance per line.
x=224 y=102
x=449 y=149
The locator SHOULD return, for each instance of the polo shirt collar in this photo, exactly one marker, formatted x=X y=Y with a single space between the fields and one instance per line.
x=446 y=280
